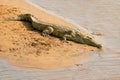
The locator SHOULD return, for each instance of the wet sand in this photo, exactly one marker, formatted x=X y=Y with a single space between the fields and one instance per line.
x=82 y=64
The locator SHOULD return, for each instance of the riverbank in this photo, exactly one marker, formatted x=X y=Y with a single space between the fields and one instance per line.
x=24 y=46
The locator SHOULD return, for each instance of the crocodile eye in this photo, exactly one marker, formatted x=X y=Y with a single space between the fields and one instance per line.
x=89 y=37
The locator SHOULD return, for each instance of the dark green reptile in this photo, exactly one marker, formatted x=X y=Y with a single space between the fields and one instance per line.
x=65 y=32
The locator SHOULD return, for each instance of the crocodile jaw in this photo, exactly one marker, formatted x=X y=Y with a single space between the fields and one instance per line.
x=91 y=42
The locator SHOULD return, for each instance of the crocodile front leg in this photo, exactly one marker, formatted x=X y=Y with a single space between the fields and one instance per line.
x=68 y=35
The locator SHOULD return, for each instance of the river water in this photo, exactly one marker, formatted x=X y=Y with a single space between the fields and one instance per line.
x=101 y=17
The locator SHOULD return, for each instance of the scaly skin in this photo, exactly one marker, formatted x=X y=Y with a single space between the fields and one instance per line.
x=64 y=32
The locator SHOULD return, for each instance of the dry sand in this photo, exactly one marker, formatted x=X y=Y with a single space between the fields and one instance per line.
x=24 y=46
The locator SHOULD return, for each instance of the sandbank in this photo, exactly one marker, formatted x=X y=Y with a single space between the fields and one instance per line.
x=24 y=46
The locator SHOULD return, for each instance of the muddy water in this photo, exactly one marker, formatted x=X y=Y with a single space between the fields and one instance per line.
x=97 y=68
x=101 y=17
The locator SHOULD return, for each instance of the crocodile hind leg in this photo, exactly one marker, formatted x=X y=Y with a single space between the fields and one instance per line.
x=47 y=31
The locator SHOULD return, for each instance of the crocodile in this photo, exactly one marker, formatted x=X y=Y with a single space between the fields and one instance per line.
x=64 y=32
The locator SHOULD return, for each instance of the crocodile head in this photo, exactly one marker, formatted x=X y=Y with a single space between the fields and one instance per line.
x=90 y=41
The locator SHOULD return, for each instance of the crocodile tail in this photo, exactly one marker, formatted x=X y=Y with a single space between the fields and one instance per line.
x=21 y=17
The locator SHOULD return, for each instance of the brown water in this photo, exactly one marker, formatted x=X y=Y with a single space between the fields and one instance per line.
x=100 y=17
